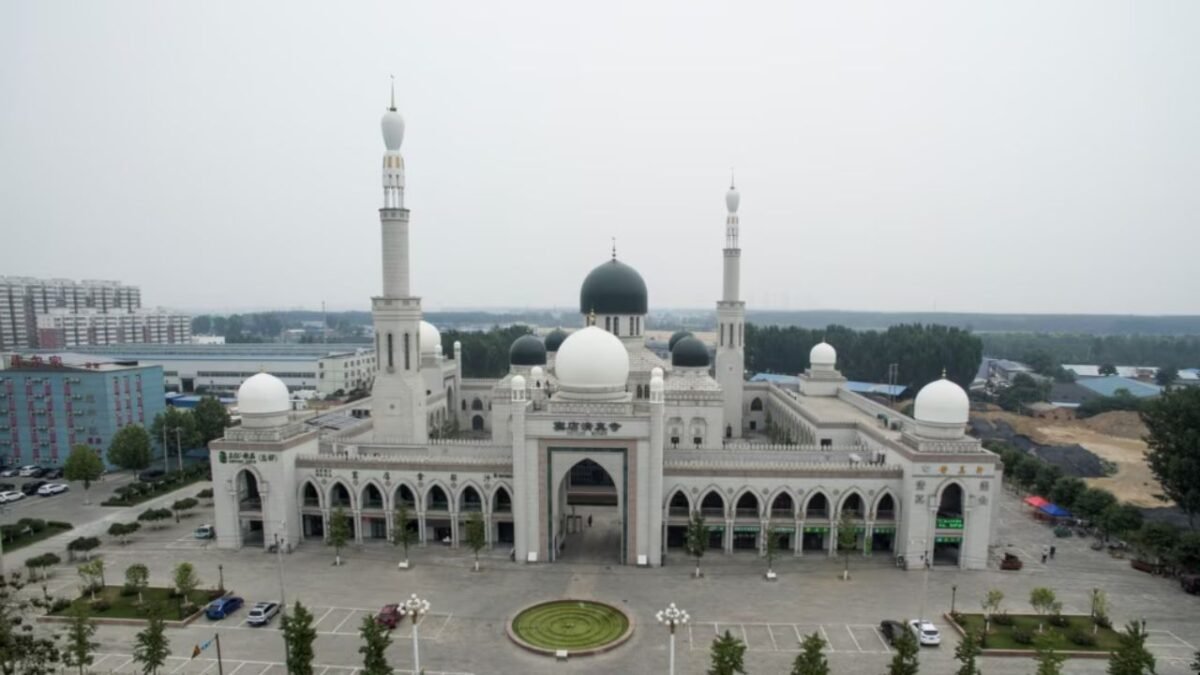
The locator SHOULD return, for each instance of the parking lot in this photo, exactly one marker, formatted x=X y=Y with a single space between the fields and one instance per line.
x=177 y=665
x=465 y=631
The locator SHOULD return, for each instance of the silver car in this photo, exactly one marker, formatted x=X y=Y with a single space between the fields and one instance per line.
x=262 y=613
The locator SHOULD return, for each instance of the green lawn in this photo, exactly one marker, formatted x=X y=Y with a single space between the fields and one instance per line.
x=1001 y=637
x=126 y=607
x=27 y=539
x=117 y=500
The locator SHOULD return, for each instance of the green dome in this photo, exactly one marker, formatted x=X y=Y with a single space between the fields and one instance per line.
x=527 y=350
x=690 y=352
x=555 y=339
x=676 y=337
x=613 y=288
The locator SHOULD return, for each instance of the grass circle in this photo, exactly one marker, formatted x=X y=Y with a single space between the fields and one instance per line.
x=578 y=626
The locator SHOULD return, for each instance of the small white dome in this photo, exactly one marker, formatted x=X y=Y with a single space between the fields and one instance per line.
x=263 y=394
x=517 y=383
x=431 y=339
x=732 y=199
x=392 y=125
x=537 y=373
x=823 y=354
x=656 y=372
x=942 y=402
x=656 y=380
x=592 y=360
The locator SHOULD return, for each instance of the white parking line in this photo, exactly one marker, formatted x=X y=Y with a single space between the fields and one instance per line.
x=853 y=639
x=774 y=645
x=318 y=621
x=886 y=647
x=235 y=670
x=826 y=636
x=343 y=621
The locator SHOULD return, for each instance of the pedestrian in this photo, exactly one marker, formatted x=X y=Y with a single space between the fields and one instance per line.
x=1045 y=553
x=1043 y=557
x=1053 y=548
x=589 y=520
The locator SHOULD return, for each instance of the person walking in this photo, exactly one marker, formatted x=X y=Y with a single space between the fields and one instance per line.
x=1053 y=548
x=1045 y=553
x=589 y=520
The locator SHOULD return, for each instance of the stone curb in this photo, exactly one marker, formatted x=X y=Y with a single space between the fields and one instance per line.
x=622 y=639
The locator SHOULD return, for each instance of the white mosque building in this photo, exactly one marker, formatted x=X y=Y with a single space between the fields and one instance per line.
x=592 y=421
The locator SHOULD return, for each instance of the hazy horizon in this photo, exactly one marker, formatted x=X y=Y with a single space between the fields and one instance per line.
x=1006 y=158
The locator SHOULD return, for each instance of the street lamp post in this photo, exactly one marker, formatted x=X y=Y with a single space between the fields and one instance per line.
x=953 y=593
x=671 y=617
x=415 y=607
x=179 y=447
x=221 y=577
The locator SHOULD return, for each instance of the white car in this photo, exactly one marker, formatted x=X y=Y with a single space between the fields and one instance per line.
x=262 y=613
x=926 y=633
x=11 y=496
x=28 y=470
x=52 y=489
x=9 y=472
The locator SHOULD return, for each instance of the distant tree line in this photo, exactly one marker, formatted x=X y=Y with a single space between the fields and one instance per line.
x=1181 y=351
x=921 y=352
x=485 y=353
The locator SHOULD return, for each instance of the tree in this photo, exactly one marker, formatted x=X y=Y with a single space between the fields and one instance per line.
x=22 y=652
x=42 y=562
x=182 y=505
x=811 y=659
x=476 y=535
x=1173 y=423
x=174 y=420
x=772 y=546
x=1093 y=502
x=1066 y=490
x=1027 y=472
x=1023 y=389
x=152 y=646
x=83 y=464
x=130 y=448
x=339 y=533
x=137 y=579
x=92 y=573
x=122 y=531
x=905 y=661
x=401 y=535
x=1120 y=519
x=1107 y=369
x=847 y=542
x=83 y=545
x=1049 y=662
x=1166 y=376
x=1186 y=554
x=968 y=652
x=728 y=655
x=154 y=516
x=1196 y=663
x=991 y=605
x=211 y=419
x=376 y=640
x=1156 y=540
x=80 y=647
x=298 y=636
x=1131 y=656
x=696 y=539
x=185 y=581
x=1043 y=602
x=1048 y=476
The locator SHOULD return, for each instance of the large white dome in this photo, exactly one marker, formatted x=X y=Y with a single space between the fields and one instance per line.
x=592 y=360
x=942 y=402
x=430 y=339
x=823 y=354
x=263 y=394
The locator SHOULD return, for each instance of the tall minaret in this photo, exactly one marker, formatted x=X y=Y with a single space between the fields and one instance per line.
x=731 y=323
x=398 y=398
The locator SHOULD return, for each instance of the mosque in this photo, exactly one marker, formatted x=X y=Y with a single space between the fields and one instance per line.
x=591 y=421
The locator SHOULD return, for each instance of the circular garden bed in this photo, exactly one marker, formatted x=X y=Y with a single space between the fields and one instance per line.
x=579 y=627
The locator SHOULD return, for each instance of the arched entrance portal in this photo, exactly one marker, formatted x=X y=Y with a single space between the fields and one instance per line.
x=947 y=540
x=250 y=508
x=589 y=515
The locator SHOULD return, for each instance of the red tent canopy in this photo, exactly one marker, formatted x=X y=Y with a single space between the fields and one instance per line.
x=1035 y=501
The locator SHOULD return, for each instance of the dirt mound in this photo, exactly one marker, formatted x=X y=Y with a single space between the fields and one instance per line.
x=1072 y=458
x=1120 y=423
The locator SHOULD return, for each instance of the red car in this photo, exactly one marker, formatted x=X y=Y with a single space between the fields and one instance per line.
x=389 y=616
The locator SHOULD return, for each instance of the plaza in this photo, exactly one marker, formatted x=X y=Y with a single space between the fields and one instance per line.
x=465 y=631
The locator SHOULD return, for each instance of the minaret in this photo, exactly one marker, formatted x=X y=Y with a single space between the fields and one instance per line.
x=398 y=398
x=731 y=323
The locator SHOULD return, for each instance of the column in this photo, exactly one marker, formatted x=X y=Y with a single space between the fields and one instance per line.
x=727 y=537
x=325 y=524
x=798 y=538
x=421 y=527
x=454 y=529
x=358 y=526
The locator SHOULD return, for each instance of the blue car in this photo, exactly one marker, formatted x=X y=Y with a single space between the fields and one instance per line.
x=222 y=607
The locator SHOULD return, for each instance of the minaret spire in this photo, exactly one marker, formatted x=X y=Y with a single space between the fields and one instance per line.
x=614 y=245
x=392 y=107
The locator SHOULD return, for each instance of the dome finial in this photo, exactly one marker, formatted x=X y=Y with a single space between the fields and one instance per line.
x=614 y=246
x=943 y=372
x=392 y=107
x=732 y=184
x=591 y=317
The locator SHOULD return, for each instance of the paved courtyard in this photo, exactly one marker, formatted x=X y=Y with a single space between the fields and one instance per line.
x=465 y=631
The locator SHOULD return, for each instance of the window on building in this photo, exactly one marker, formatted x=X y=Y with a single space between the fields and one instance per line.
x=391 y=352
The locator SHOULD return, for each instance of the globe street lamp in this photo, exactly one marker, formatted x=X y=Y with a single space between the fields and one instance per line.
x=415 y=607
x=671 y=617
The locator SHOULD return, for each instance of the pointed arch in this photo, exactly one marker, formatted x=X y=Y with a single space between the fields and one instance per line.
x=852 y=504
x=951 y=498
x=885 y=506
x=712 y=503
x=436 y=497
x=816 y=505
x=679 y=504
x=340 y=494
x=373 y=496
x=746 y=504
x=781 y=504
x=470 y=497
x=310 y=496
x=405 y=493
x=502 y=499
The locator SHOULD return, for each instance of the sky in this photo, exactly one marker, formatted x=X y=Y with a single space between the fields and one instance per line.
x=1017 y=156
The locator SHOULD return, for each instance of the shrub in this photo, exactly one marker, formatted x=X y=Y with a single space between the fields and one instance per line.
x=1022 y=636
x=60 y=604
x=34 y=525
x=206 y=493
x=101 y=605
x=59 y=524
x=1002 y=619
x=126 y=591
x=1102 y=621
x=1058 y=620
x=1082 y=638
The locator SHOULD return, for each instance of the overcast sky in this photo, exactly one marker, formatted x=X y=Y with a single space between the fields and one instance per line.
x=1013 y=157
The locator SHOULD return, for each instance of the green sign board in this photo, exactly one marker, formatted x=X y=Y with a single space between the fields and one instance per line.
x=886 y=529
x=816 y=529
x=950 y=523
x=947 y=540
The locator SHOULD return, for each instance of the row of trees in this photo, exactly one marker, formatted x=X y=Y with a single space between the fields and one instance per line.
x=475 y=534
x=131 y=446
x=1141 y=350
x=485 y=353
x=922 y=352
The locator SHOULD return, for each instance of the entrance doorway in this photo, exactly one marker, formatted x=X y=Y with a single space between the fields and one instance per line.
x=588 y=515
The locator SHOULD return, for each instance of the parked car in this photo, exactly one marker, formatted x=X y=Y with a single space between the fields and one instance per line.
x=29 y=471
x=1190 y=583
x=205 y=532
x=7 y=487
x=50 y=489
x=31 y=488
x=151 y=475
x=926 y=633
x=53 y=474
x=222 y=607
x=1011 y=562
x=11 y=496
x=891 y=630
x=262 y=613
x=9 y=472
x=389 y=616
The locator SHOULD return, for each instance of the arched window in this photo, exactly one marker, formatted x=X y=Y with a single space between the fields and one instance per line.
x=818 y=507
x=470 y=500
x=437 y=500
x=756 y=404
x=950 y=504
x=608 y=323
x=886 y=509
x=404 y=495
x=679 y=505
x=407 y=347
x=339 y=495
x=372 y=497
x=391 y=352
x=747 y=506
x=783 y=506
x=713 y=504
x=476 y=405
x=502 y=502
x=464 y=405
x=852 y=507
x=312 y=498
x=616 y=325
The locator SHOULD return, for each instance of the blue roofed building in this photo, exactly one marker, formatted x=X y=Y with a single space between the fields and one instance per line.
x=1108 y=386
x=49 y=405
